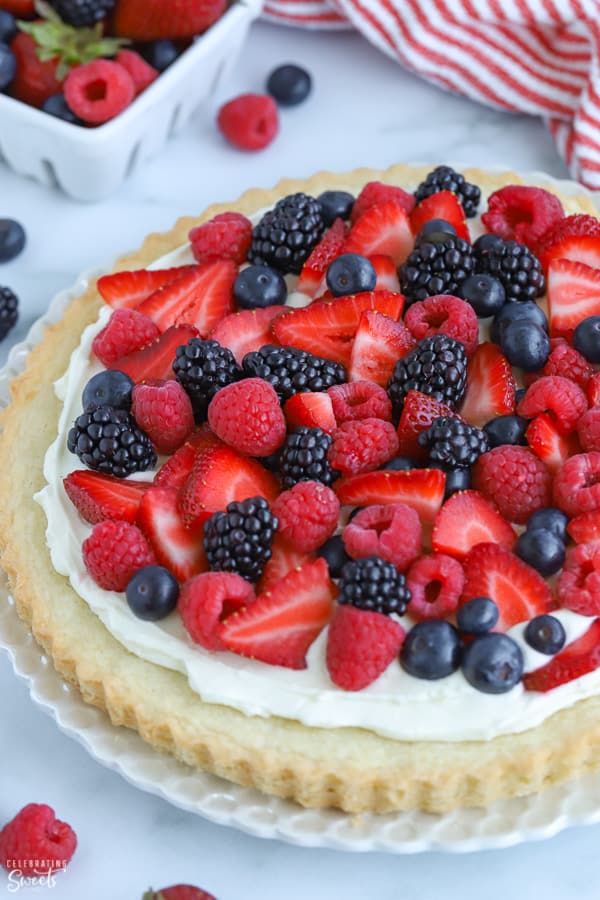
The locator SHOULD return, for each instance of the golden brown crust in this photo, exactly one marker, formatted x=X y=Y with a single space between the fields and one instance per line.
x=351 y=769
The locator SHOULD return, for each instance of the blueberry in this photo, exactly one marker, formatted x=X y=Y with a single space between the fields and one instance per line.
x=511 y=312
x=435 y=231
x=457 y=480
x=400 y=464
x=57 y=106
x=477 y=616
x=335 y=205
x=546 y=634
x=8 y=66
x=289 y=85
x=519 y=396
x=108 y=388
x=334 y=554
x=160 y=54
x=506 y=430
x=350 y=273
x=259 y=286
x=586 y=338
x=485 y=294
x=152 y=593
x=487 y=242
x=12 y=239
x=431 y=650
x=542 y=550
x=8 y=26
x=551 y=519
x=525 y=345
x=493 y=663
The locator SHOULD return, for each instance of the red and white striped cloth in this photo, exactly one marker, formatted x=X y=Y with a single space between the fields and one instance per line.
x=535 y=56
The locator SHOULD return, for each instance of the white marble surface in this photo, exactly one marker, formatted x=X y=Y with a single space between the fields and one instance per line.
x=364 y=111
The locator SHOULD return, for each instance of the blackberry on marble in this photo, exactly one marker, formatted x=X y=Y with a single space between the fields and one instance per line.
x=9 y=311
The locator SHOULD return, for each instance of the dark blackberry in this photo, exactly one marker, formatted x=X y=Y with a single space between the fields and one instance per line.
x=292 y=371
x=286 y=235
x=202 y=368
x=374 y=585
x=436 y=267
x=436 y=366
x=513 y=264
x=240 y=539
x=82 y=13
x=454 y=444
x=9 y=311
x=303 y=457
x=443 y=178
x=108 y=440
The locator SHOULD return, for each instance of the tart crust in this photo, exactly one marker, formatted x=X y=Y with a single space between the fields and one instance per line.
x=348 y=768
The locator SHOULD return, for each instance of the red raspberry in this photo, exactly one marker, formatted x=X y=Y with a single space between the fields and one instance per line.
x=250 y=121
x=308 y=515
x=521 y=213
x=164 y=411
x=593 y=390
x=362 y=446
x=375 y=193
x=444 y=314
x=36 y=835
x=578 y=586
x=418 y=413
x=142 y=73
x=588 y=429
x=435 y=583
x=515 y=479
x=35 y=80
x=205 y=600
x=125 y=332
x=360 y=646
x=114 y=552
x=567 y=362
x=178 y=892
x=359 y=400
x=577 y=485
x=99 y=90
x=392 y=531
x=226 y=236
x=557 y=395
x=247 y=415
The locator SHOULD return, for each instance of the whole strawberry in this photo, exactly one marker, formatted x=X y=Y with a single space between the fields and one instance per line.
x=151 y=20
x=37 y=839
x=178 y=892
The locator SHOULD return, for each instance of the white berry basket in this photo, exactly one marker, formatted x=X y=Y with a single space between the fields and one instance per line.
x=91 y=163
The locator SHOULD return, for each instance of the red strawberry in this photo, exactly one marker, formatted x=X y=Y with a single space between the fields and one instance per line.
x=225 y=236
x=383 y=230
x=151 y=20
x=245 y=331
x=573 y=295
x=522 y=213
x=491 y=387
x=125 y=332
x=375 y=193
x=387 y=273
x=312 y=409
x=443 y=205
x=314 y=270
x=422 y=489
x=564 y=399
x=98 y=497
x=418 y=413
x=164 y=411
x=207 y=599
x=200 y=297
x=360 y=646
x=280 y=625
x=179 y=549
x=35 y=80
x=585 y=529
x=575 y=237
x=284 y=559
x=548 y=444
x=518 y=590
x=114 y=552
x=21 y=8
x=467 y=519
x=129 y=289
x=577 y=659
x=156 y=360
x=379 y=343
x=178 y=892
x=177 y=469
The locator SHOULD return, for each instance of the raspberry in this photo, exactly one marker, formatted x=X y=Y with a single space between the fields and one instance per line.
x=226 y=236
x=523 y=214
x=577 y=485
x=578 y=586
x=393 y=532
x=444 y=314
x=36 y=834
x=178 y=892
x=568 y=363
x=126 y=331
x=375 y=193
x=362 y=446
x=593 y=390
x=588 y=430
x=207 y=599
x=142 y=73
x=566 y=230
x=556 y=395
x=114 y=552
x=250 y=121
x=99 y=90
x=164 y=411
x=247 y=416
x=359 y=400
x=360 y=646
x=308 y=515
x=418 y=414
x=435 y=583
x=515 y=479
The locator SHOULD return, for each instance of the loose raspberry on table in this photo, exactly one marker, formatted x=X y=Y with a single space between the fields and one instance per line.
x=308 y=515
x=178 y=892
x=359 y=400
x=247 y=415
x=36 y=835
x=99 y=90
x=126 y=331
x=578 y=585
x=522 y=213
x=164 y=411
x=114 y=552
x=225 y=236
x=392 y=532
x=517 y=481
x=362 y=446
x=444 y=314
x=435 y=583
x=375 y=193
x=557 y=395
x=250 y=121
x=207 y=599
x=577 y=484
x=588 y=429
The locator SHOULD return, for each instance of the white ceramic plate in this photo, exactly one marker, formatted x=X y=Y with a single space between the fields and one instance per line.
x=504 y=824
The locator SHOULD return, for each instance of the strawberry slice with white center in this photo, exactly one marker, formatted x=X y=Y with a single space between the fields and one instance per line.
x=312 y=409
x=314 y=270
x=573 y=295
x=443 y=205
x=129 y=289
x=200 y=297
x=467 y=519
x=285 y=558
x=179 y=549
x=245 y=331
x=548 y=444
x=387 y=273
x=491 y=386
x=573 y=237
x=379 y=343
x=418 y=413
x=421 y=489
x=280 y=625
x=577 y=659
x=98 y=497
x=177 y=469
x=382 y=230
x=155 y=361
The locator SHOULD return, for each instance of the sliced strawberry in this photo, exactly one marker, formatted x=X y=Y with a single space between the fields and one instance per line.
x=443 y=205
x=202 y=296
x=279 y=626
x=577 y=659
x=374 y=193
x=312 y=276
x=382 y=230
x=418 y=413
x=548 y=444
x=312 y=409
x=467 y=519
x=245 y=331
x=98 y=497
x=177 y=469
x=575 y=237
x=491 y=386
x=179 y=549
x=285 y=558
x=573 y=295
x=129 y=289
x=585 y=529
x=518 y=590
x=328 y=327
x=379 y=343
x=421 y=489
x=156 y=360
x=387 y=273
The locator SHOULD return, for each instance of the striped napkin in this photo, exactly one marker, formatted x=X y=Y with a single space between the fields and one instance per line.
x=535 y=56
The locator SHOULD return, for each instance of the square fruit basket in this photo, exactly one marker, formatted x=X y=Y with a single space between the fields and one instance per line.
x=91 y=163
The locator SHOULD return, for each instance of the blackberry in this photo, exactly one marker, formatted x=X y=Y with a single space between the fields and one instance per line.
x=286 y=235
x=292 y=371
x=303 y=457
x=202 y=368
x=436 y=366
x=443 y=178
x=436 y=267
x=513 y=264
x=240 y=539
x=82 y=13
x=375 y=585
x=108 y=440
x=454 y=444
x=9 y=311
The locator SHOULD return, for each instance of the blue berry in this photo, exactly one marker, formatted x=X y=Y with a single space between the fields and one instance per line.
x=289 y=85
x=12 y=239
x=8 y=26
x=493 y=663
x=259 y=286
x=546 y=634
x=477 y=616
x=57 y=106
x=400 y=464
x=8 y=66
x=152 y=593
x=527 y=311
x=457 y=480
x=551 y=519
x=335 y=205
x=542 y=550
x=431 y=650
x=435 y=231
x=334 y=554
x=350 y=273
x=519 y=395
x=160 y=54
x=108 y=388
x=506 y=430
x=485 y=294
x=525 y=345
x=586 y=338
